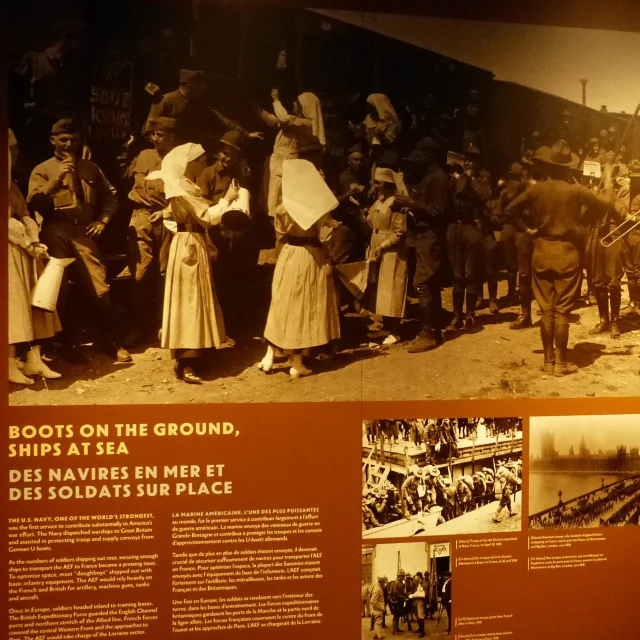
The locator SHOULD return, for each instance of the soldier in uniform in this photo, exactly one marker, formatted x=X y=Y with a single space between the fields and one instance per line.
x=629 y=198
x=397 y=596
x=196 y=121
x=450 y=438
x=429 y=206
x=449 y=504
x=378 y=606
x=412 y=502
x=464 y=498
x=556 y=206
x=77 y=202
x=369 y=520
x=148 y=239
x=516 y=245
x=433 y=440
x=509 y=484
x=445 y=598
x=236 y=249
x=464 y=242
x=608 y=265
x=490 y=483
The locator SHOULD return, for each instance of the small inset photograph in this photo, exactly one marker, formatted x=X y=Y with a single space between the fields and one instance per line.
x=584 y=472
x=441 y=476
x=406 y=590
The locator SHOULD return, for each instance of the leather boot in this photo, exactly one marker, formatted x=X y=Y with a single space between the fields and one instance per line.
x=602 y=298
x=457 y=322
x=458 y=305
x=547 y=336
x=524 y=318
x=634 y=307
x=421 y=633
x=561 y=340
x=471 y=304
x=615 y=298
x=429 y=337
x=492 y=285
x=427 y=340
x=512 y=279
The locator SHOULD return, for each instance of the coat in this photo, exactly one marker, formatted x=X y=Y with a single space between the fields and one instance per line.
x=192 y=317
x=388 y=294
x=304 y=308
x=26 y=323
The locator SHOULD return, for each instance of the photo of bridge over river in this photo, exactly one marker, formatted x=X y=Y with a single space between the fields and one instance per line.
x=584 y=472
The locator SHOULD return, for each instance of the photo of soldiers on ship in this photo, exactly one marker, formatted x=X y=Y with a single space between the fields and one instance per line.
x=459 y=475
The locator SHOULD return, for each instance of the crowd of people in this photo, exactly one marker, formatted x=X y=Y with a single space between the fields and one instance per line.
x=427 y=490
x=408 y=599
x=441 y=436
x=412 y=210
x=593 y=508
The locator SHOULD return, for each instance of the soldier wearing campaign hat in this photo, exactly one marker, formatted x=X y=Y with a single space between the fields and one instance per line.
x=429 y=203
x=148 y=240
x=397 y=596
x=77 y=203
x=187 y=105
x=556 y=207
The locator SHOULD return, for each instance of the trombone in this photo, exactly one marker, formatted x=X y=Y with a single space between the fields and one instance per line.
x=616 y=235
x=634 y=218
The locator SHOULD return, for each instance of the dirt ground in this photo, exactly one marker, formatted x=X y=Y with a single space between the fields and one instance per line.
x=490 y=361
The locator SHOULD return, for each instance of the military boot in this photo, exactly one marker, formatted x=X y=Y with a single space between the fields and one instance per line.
x=603 y=309
x=615 y=298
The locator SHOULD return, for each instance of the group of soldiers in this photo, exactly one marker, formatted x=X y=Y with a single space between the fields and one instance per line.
x=425 y=490
x=422 y=222
x=593 y=508
x=441 y=436
x=408 y=598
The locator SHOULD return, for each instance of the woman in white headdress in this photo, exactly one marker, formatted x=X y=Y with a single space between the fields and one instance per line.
x=299 y=133
x=381 y=123
x=386 y=294
x=27 y=324
x=304 y=306
x=192 y=318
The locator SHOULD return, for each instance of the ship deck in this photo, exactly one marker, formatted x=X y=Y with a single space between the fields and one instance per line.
x=468 y=452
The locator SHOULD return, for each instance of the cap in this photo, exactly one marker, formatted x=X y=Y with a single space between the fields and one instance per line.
x=232 y=138
x=189 y=75
x=356 y=148
x=516 y=170
x=634 y=167
x=66 y=125
x=429 y=146
x=162 y=124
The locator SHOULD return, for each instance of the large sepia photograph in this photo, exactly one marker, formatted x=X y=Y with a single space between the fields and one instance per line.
x=219 y=203
x=584 y=472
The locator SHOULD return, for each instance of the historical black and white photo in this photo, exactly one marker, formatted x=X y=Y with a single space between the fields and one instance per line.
x=584 y=472
x=406 y=590
x=209 y=201
x=444 y=476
